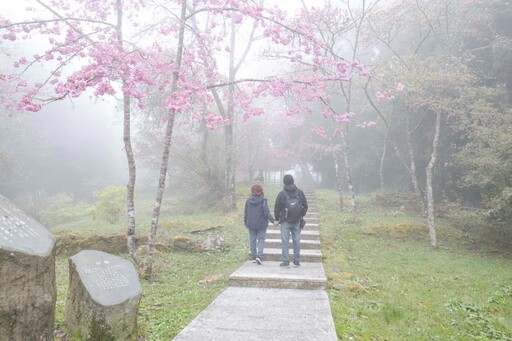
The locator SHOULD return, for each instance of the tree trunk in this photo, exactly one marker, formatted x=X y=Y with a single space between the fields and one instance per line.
x=337 y=169
x=229 y=188
x=430 y=174
x=127 y=140
x=382 y=158
x=229 y=184
x=250 y=163
x=412 y=167
x=148 y=267
x=130 y=192
x=345 y=149
x=307 y=176
x=207 y=175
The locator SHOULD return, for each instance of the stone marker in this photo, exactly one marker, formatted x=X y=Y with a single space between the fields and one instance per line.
x=27 y=276
x=103 y=296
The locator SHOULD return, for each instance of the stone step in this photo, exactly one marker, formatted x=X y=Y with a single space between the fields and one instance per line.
x=311 y=226
x=304 y=235
x=308 y=227
x=304 y=244
x=306 y=255
x=310 y=276
x=310 y=214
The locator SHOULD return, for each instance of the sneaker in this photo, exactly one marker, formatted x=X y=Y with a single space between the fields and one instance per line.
x=258 y=261
x=296 y=264
x=254 y=260
x=284 y=265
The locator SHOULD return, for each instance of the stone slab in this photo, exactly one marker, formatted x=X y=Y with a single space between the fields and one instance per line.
x=109 y=279
x=304 y=243
x=103 y=297
x=309 y=276
x=304 y=234
x=308 y=227
x=259 y=314
x=272 y=254
x=27 y=276
x=20 y=233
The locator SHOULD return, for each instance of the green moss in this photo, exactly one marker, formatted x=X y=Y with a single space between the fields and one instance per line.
x=99 y=331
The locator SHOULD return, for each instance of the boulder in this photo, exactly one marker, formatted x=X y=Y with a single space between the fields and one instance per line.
x=103 y=297
x=27 y=276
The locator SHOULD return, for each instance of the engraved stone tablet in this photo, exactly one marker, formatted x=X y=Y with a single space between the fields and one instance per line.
x=20 y=233
x=27 y=276
x=103 y=296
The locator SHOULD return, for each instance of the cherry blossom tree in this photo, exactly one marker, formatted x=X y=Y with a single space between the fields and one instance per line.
x=85 y=52
x=335 y=36
x=89 y=49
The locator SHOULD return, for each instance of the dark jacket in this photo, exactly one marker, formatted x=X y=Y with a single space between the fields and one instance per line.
x=257 y=213
x=281 y=201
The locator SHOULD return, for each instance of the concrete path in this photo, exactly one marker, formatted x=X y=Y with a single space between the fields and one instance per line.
x=268 y=302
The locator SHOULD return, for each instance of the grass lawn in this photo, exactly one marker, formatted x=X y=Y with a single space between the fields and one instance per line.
x=386 y=283
x=384 y=280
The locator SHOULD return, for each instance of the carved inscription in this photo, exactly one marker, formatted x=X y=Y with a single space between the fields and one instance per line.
x=109 y=279
x=13 y=230
x=107 y=276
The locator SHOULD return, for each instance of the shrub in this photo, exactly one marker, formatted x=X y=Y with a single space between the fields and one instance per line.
x=501 y=207
x=109 y=203
x=465 y=219
x=61 y=208
x=403 y=200
x=489 y=226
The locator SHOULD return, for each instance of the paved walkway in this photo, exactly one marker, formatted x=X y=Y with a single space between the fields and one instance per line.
x=267 y=302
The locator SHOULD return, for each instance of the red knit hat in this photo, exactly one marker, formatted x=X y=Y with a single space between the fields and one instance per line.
x=256 y=190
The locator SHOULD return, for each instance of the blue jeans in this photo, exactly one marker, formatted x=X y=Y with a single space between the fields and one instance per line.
x=257 y=237
x=294 y=228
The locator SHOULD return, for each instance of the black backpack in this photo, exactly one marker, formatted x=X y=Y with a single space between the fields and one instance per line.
x=293 y=209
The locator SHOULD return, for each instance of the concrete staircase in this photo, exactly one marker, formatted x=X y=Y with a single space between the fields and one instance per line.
x=268 y=302
x=310 y=275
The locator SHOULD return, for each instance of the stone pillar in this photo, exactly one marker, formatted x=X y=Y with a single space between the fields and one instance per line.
x=103 y=297
x=27 y=276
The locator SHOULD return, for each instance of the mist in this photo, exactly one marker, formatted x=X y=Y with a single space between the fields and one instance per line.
x=140 y=127
x=75 y=144
x=68 y=147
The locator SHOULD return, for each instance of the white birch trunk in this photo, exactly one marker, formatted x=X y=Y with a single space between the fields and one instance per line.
x=412 y=167
x=230 y=193
x=430 y=174
x=148 y=265
x=130 y=187
x=337 y=169
x=381 y=165
x=345 y=149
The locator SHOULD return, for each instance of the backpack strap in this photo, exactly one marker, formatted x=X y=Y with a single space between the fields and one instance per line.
x=284 y=210
x=265 y=204
x=286 y=195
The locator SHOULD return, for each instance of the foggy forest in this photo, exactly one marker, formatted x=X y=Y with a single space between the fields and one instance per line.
x=119 y=116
